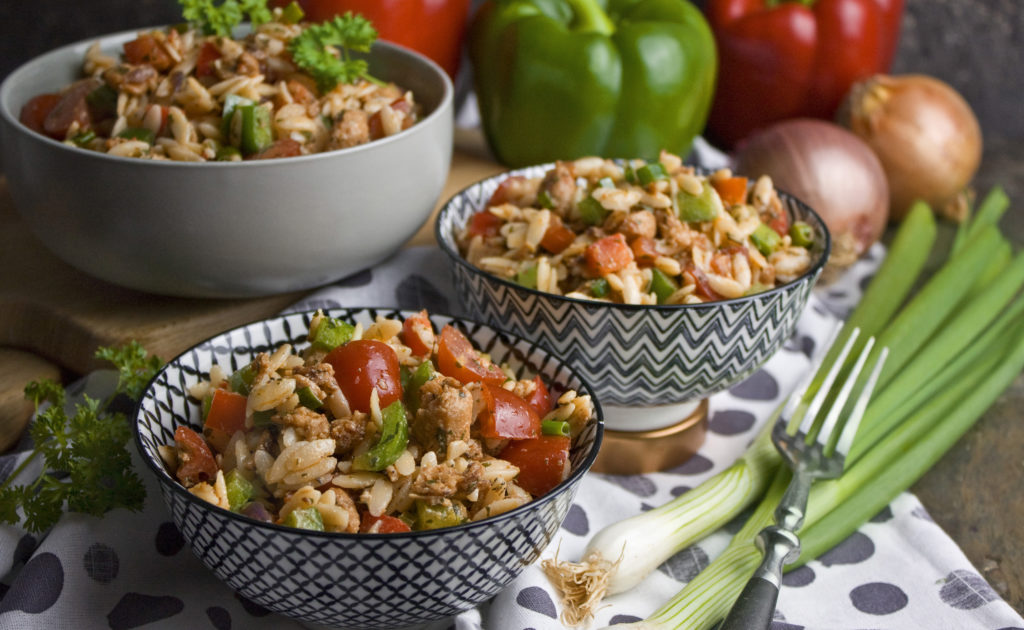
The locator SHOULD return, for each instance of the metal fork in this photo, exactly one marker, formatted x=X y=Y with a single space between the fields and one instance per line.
x=810 y=455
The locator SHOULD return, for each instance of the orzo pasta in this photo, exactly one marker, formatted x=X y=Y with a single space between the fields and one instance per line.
x=388 y=429
x=638 y=233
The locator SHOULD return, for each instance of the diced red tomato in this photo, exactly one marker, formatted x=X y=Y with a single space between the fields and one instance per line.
x=778 y=221
x=484 y=224
x=645 y=251
x=196 y=462
x=505 y=191
x=362 y=365
x=506 y=415
x=543 y=462
x=145 y=49
x=418 y=334
x=607 y=255
x=557 y=237
x=208 y=54
x=226 y=415
x=285 y=147
x=703 y=289
x=457 y=358
x=732 y=190
x=388 y=524
x=540 y=400
x=34 y=112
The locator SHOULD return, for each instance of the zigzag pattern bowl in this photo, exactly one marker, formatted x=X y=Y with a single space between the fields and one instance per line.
x=635 y=355
x=361 y=581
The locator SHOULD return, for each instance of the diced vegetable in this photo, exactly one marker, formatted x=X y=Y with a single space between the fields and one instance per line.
x=418 y=334
x=607 y=255
x=225 y=417
x=557 y=237
x=255 y=129
x=417 y=378
x=528 y=277
x=228 y=125
x=765 y=239
x=102 y=101
x=309 y=399
x=241 y=380
x=650 y=173
x=196 y=462
x=506 y=415
x=543 y=462
x=484 y=224
x=591 y=211
x=732 y=190
x=696 y=208
x=239 y=489
x=305 y=518
x=394 y=437
x=554 y=427
x=331 y=333
x=457 y=358
x=801 y=234
x=540 y=399
x=430 y=516
x=599 y=287
x=544 y=199
x=363 y=366
x=138 y=133
x=661 y=285
x=382 y=524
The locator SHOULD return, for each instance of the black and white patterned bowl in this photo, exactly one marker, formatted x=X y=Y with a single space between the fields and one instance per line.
x=355 y=580
x=635 y=355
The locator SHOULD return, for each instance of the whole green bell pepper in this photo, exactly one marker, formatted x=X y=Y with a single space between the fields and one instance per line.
x=561 y=79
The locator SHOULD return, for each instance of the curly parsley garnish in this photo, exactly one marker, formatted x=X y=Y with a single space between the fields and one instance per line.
x=88 y=468
x=221 y=19
x=322 y=50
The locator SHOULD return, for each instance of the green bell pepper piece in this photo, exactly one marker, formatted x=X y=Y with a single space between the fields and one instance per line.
x=801 y=234
x=231 y=101
x=394 y=436
x=305 y=518
x=435 y=516
x=703 y=207
x=263 y=418
x=661 y=285
x=102 y=101
x=544 y=200
x=331 y=333
x=414 y=381
x=591 y=211
x=528 y=277
x=239 y=490
x=241 y=381
x=650 y=173
x=255 y=132
x=84 y=138
x=308 y=399
x=599 y=288
x=138 y=133
x=765 y=239
x=629 y=77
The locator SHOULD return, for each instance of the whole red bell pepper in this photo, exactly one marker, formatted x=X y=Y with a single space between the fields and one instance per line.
x=782 y=59
x=435 y=28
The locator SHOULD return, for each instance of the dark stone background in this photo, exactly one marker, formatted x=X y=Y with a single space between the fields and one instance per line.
x=975 y=45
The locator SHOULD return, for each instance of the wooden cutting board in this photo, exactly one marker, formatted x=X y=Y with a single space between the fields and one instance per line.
x=53 y=317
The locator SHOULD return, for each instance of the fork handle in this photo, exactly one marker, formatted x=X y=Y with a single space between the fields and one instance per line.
x=755 y=606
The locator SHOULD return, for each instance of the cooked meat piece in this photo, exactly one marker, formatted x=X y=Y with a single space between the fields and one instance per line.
x=71 y=108
x=321 y=375
x=560 y=185
x=309 y=424
x=348 y=432
x=445 y=481
x=639 y=224
x=445 y=414
x=677 y=236
x=345 y=501
x=353 y=129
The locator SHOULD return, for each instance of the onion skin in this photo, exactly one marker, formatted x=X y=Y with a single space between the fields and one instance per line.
x=925 y=134
x=831 y=170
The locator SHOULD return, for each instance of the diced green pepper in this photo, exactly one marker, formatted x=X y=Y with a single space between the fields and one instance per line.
x=84 y=138
x=765 y=239
x=308 y=399
x=544 y=200
x=394 y=436
x=331 y=333
x=138 y=133
x=102 y=101
x=207 y=402
x=256 y=134
x=528 y=277
x=650 y=173
x=292 y=14
x=591 y=211
x=263 y=418
x=757 y=288
x=629 y=173
x=801 y=234
x=606 y=182
x=239 y=490
x=702 y=207
x=231 y=101
x=599 y=288
x=661 y=285
x=417 y=379
x=227 y=153
x=554 y=427
x=241 y=381
x=441 y=515
x=305 y=518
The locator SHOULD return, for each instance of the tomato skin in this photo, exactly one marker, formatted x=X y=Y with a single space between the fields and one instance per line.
x=225 y=417
x=506 y=190
x=435 y=28
x=34 y=112
x=144 y=49
x=607 y=255
x=457 y=358
x=732 y=190
x=388 y=524
x=484 y=224
x=540 y=400
x=645 y=252
x=418 y=334
x=778 y=221
x=507 y=415
x=207 y=55
x=362 y=365
x=557 y=237
x=543 y=462
x=197 y=462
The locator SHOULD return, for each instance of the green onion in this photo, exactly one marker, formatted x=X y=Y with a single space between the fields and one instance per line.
x=84 y=138
x=989 y=212
x=650 y=173
x=661 y=285
x=599 y=288
x=554 y=427
x=801 y=234
x=305 y=518
x=138 y=133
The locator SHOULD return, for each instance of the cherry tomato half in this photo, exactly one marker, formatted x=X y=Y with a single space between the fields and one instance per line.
x=362 y=365
x=418 y=334
x=507 y=415
x=388 y=524
x=225 y=417
x=540 y=400
x=196 y=460
x=543 y=462
x=457 y=358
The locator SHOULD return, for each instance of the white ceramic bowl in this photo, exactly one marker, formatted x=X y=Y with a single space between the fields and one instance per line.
x=227 y=229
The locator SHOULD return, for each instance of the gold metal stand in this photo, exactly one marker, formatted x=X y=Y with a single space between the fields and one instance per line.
x=637 y=452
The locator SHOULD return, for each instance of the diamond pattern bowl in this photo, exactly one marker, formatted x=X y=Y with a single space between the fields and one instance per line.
x=635 y=355
x=355 y=580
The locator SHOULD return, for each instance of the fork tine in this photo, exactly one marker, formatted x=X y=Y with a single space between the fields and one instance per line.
x=832 y=419
x=850 y=430
x=801 y=387
x=807 y=422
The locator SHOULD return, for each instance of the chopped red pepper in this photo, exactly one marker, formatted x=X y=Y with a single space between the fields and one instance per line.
x=208 y=54
x=388 y=524
x=732 y=190
x=645 y=251
x=226 y=415
x=484 y=224
x=607 y=255
x=557 y=237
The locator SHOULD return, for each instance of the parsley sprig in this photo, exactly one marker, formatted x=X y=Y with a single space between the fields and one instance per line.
x=88 y=468
x=221 y=19
x=323 y=50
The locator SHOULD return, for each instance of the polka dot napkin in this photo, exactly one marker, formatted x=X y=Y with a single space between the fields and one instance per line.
x=130 y=570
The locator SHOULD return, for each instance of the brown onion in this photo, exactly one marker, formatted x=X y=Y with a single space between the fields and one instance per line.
x=829 y=169
x=924 y=133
